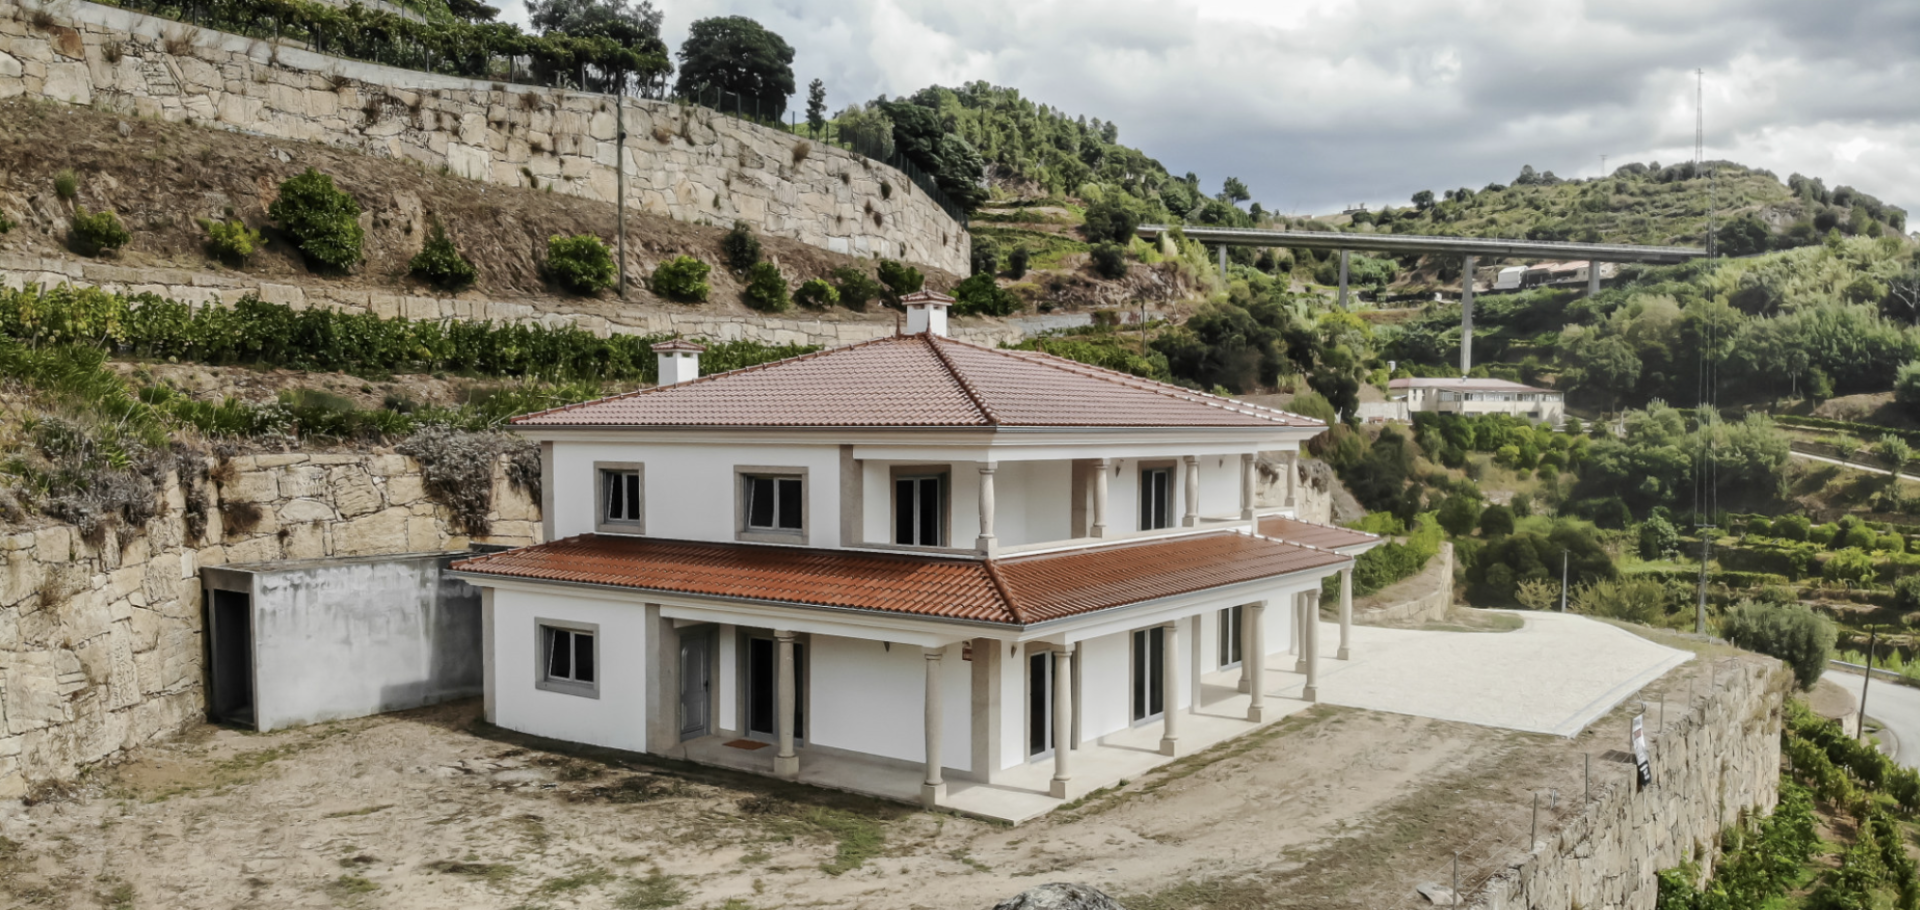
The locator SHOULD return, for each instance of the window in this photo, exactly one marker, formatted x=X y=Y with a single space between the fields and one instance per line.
x=622 y=499
x=773 y=506
x=1231 y=638
x=569 y=658
x=1156 y=498
x=919 y=510
x=1149 y=673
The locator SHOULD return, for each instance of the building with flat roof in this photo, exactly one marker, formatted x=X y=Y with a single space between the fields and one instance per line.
x=1479 y=396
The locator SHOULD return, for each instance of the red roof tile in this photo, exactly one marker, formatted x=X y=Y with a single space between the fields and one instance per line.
x=1306 y=533
x=920 y=380
x=1014 y=591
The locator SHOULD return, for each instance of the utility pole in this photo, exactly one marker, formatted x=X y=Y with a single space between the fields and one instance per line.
x=620 y=179
x=1563 y=580
x=1872 y=637
x=1700 y=612
x=1603 y=166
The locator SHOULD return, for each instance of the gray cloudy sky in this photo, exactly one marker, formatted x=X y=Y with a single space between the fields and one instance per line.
x=1319 y=103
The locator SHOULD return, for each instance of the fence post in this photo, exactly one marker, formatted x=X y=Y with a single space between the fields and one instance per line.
x=1456 y=878
x=1588 y=780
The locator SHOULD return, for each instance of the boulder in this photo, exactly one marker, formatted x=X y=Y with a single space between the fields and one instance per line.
x=1060 y=896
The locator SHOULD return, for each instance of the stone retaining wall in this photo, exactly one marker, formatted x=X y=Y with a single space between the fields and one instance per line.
x=1720 y=759
x=1423 y=598
x=599 y=317
x=689 y=163
x=100 y=646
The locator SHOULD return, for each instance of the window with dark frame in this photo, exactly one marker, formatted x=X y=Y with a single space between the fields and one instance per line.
x=570 y=658
x=919 y=510
x=1231 y=638
x=1149 y=673
x=774 y=503
x=1156 y=498
x=622 y=490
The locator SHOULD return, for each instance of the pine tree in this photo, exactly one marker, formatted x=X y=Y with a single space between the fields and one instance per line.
x=816 y=106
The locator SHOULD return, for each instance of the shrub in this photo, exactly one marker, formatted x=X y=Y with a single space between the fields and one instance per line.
x=1906 y=386
x=900 y=279
x=1906 y=593
x=324 y=221
x=681 y=278
x=1496 y=521
x=816 y=294
x=1017 y=262
x=6 y=224
x=231 y=242
x=1848 y=565
x=1109 y=260
x=741 y=247
x=440 y=265
x=985 y=256
x=1792 y=527
x=1759 y=527
x=766 y=288
x=1822 y=534
x=582 y=263
x=97 y=233
x=1658 y=538
x=856 y=287
x=66 y=185
x=1634 y=599
x=982 y=296
x=1793 y=633
x=1113 y=219
x=1459 y=514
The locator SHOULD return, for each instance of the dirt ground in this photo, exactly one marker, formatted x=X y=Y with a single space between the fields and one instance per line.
x=435 y=809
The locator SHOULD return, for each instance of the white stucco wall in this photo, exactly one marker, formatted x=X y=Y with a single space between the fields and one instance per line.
x=690 y=490
x=867 y=698
x=1013 y=712
x=618 y=718
x=1104 y=696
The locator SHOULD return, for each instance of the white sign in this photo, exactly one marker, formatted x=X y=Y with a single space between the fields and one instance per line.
x=1640 y=762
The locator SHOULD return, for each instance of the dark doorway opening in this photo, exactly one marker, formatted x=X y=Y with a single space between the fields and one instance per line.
x=232 y=622
x=763 y=698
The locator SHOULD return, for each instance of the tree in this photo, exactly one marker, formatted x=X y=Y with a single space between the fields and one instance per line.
x=920 y=133
x=1109 y=259
x=1459 y=514
x=1423 y=200
x=1234 y=191
x=1610 y=367
x=985 y=256
x=816 y=107
x=1115 y=218
x=1906 y=386
x=1017 y=262
x=736 y=61
x=1793 y=633
x=1903 y=295
x=1658 y=538
x=1496 y=521
x=630 y=25
x=869 y=130
x=980 y=295
x=1743 y=236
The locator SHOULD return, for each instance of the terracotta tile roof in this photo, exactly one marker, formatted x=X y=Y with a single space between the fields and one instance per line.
x=1306 y=533
x=920 y=380
x=1014 y=591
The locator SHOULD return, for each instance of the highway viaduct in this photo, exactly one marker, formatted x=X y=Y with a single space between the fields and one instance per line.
x=1471 y=248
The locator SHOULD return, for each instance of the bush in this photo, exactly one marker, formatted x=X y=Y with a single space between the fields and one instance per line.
x=1759 y=526
x=1017 y=262
x=1822 y=535
x=1113 y=219
x=982 y=296
x=1849 y=565
x=324 y=221
x=1906 y=593
x=856 y=287
x=1792 y=527
x=97 y=233
x=741 y=247
x=766 y=289
x=582 y=263
x=681 y=278
x=1658 y=538
x=1906 y=386
x=1459 y=515
x=1496 y=521
x=6 y=224
x=440 y=265
x=1634 y=599
x=1793 y=633
x=1109 y=260
x=66 y=185
x=985 y=256
x=900 y=280
x=231 y=242
x=816 y=294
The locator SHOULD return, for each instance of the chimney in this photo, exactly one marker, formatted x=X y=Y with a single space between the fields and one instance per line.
x=926 y=312
x=679 y=361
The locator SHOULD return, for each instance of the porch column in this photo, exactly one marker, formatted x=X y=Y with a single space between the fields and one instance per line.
x=785 y=762
x=1100 y=467
x=1192 y=518
x=1310 y=610
x=1300 y=631
x=1247 y=646
x=986 y=544
x=1169 y=687
x=1346 y=614
x=1246 y=486
x=1062 y=720
x=933 y=790
x=1293 y=475
x=1253 y=663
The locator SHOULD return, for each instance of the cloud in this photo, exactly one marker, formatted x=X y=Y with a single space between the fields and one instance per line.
x=1321 y=103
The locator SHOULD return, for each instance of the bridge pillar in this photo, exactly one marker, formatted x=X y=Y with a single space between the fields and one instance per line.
x=1593 y=278
x=1343 y=279
x=1466 y=318
x=1223 y=265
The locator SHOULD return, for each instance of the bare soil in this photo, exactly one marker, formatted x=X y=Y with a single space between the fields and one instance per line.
x=433 y=808
x=163 y=178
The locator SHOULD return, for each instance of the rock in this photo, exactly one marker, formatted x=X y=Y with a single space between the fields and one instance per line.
x=1060 y=896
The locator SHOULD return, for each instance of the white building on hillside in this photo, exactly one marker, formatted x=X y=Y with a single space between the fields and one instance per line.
x=911 y=567
x=1479 y=396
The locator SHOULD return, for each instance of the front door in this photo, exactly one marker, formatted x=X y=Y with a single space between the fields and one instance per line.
x=696 y=684
x=763 y=692
x=1040 y=704
x=1149 y=673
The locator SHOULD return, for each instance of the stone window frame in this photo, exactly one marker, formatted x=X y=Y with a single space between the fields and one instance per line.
x=542 y=655
x=601 y=523
x=741 y=532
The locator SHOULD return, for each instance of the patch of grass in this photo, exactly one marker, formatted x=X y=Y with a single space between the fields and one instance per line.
x=494 y=873
x=350 y=886
x=575 y=882
x=658 y=890
x=1046 y=249
x=354 y=813
x=860 y=838
x=755 y=858
x=119 y=897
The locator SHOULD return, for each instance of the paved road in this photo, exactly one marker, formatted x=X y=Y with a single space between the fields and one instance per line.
x=1896 y=707
x=1851 y=465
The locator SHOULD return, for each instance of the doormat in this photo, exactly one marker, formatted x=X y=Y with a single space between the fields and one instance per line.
x=748 y=744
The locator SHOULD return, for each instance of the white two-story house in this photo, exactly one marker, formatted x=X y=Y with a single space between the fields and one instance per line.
x=984 y=579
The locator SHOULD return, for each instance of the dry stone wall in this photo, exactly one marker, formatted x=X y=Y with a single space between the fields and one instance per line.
x=1721 y=759
x=100 y=640
x=599 y=317
x=689 y=163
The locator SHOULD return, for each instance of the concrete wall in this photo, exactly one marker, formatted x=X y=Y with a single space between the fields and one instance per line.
x=349 y=638
x=1425 y=597
x=100 y=641
x=1718 y=760
x=869 y=698
x=688 y=163
x=618 y=717
x=831 y=329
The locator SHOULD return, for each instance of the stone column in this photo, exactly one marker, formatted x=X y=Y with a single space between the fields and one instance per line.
x=933 y=790
x=1466 y=318
x=1346 y=615
x=786 y=763
x=1253 y=661
x=1246 y=486
x=1293 y=476
x=1100 y=467
x=987 y=543
x=1310 y=609
x=1300 y=632
x=1169 y=687
x=1062 y=720
x=1192 y=518
x=1593 y=278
